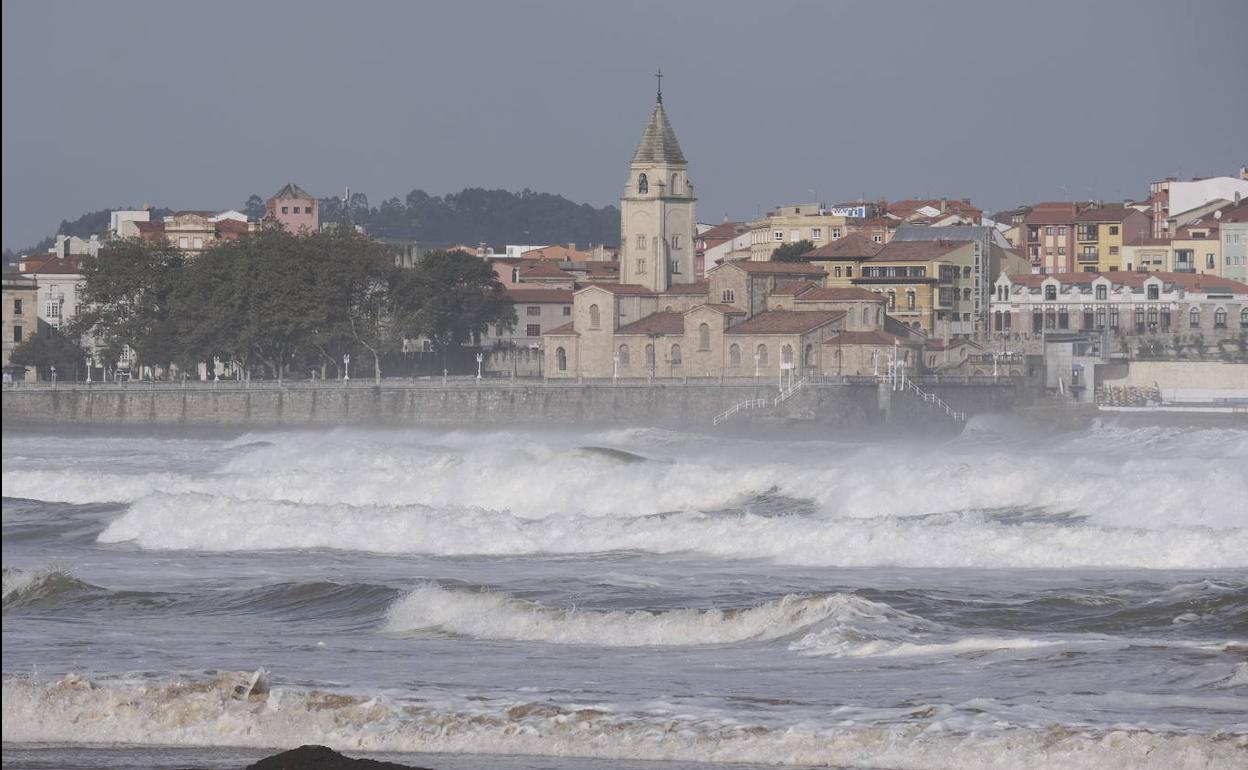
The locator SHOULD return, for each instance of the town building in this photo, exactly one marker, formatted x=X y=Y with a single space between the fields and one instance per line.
x=1234 y=229
x=123 y=222
x=1171 y=196
x=59 y=281
x=933 y=212
x=842 y=258
x=790 y=224
x=1197 y=243
x=725 y=242
x=20 y=322
x=194 y=231
x=1048 y=232
x=1149 y=254
x=295 y=209
x=1100 y=232
x=1121 y=306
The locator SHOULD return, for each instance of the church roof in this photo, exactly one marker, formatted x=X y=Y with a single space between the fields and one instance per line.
x=658 y=144
x=667 y=322
x=787 y=322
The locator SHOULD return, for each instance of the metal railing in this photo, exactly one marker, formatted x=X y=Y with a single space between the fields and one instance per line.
x=753 y=403
x=930 y=398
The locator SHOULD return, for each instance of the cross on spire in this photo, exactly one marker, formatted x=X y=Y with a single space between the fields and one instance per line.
x=659 y=77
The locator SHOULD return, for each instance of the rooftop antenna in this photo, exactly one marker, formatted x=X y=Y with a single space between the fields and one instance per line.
x=658 y=76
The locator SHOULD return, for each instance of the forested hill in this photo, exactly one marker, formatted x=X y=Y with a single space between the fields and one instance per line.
x=477 y=215
x=473 y=216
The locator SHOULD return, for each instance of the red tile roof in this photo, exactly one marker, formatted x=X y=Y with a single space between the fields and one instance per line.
x=1236 y=213
x=566 y=330
x=623 y=288
x=51 y=264
x=773 y=268
x=792 y=288
x=1109 y=212
x=852 y=246
x=543 y=270
x=1193 y=282
x=916 y=251
x=873 y=337
x=839 y=294
x=562 y=296
x=685 y=289
x=722 y=232
x=727 y=309
x=667 y=322
x=787 y=322
x=1052 y=213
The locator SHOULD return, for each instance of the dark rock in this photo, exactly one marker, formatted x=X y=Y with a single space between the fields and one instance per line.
x=322 y=758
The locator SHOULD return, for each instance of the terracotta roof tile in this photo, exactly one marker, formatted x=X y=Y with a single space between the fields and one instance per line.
x=916 y=251
x=773 y=268
x=631 y=289
x=872 y=337
x=567 y=330
x=685 y=289
x=854 y=245
x=667 y=322
x=787 y=322
x=839 y=294
x=563 y=296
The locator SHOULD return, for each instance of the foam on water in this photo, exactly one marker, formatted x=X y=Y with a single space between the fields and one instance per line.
x=496 y=615
x=225 y=711
x=209 y=523
x=25 y=587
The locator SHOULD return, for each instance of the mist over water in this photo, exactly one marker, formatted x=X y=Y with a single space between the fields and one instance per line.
x=983 y=600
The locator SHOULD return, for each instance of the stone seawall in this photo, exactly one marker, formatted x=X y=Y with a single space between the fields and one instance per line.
x=395 y=405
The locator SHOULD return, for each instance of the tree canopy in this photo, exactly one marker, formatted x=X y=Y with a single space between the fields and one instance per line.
x=49 y=349
x=792 y=252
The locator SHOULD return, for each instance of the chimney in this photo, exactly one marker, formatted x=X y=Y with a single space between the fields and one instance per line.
x=571 y=247
x=943 y=203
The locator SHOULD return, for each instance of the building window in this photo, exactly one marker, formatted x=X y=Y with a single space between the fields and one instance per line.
x=809 y=361
x=1061 y=231
x=966 y=272
x=675 y=267
x=641 y=265
x=533 y=310
x=285 y=209
x=533 y=330
x=1061 y=251
x=777 y=235
x=1139 y=318
x=567 y=310
x=877 y=238
x=1194 y=318
x=836 y=233
x=52 y=309
x=17 y=334
x=561 y=359
x=816 y=233
x=624 y=355
x=849 y=271
x=1102 y=292
x=786 y=354
x=1154 y=291
x=760 y=355
x=643 y=185
x=17 y=307
x=729 y=296
x=650 y=356
x=1113 y=229
x=1243 y=318
x=866 y=316
x=595 y=318
x=704 y=337
x=837 y=271
x=1219 y=318
x=1048 y=231
x=734 y=354
x=1165 y=319
x=892 y=300
x=1050 y=293
x=183 y=242
x=675 y=242
x=675 y=359
x=910 y=299
x=966 y=294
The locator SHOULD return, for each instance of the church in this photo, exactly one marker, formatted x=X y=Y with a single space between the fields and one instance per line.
x=745 y=319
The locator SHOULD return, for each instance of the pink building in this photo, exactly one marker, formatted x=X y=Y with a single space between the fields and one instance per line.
x=295 y=209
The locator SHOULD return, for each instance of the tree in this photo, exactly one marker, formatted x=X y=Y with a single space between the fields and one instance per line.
x=450 y=298
x=255 y=208
x=130 y=287
x=792 y=252
x=49 y=349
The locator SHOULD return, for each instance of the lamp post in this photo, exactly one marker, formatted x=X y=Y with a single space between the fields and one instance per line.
x=480 y=358
x=757 y=358
x=346 y=366
x=87 y=359
x=54 y=376
x=615 y=367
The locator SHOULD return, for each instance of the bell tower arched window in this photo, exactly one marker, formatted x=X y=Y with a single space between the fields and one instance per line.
x=643 y=185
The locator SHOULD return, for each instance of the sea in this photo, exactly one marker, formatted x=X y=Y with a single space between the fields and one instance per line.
x=611 y=598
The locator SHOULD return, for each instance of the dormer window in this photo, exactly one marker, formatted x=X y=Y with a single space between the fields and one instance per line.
x=1154 y=291
x=1050 y=293
x=1102 y=292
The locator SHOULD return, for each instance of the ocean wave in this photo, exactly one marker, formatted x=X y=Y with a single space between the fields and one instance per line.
x=231 y=710
x=24 y=588
x=496 y=615
x=206 y=522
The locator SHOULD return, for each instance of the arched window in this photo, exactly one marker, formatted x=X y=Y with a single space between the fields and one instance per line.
x=1102 y=292
x=910 y=299
x=879 y=311
x=675 y=178
x=1243 y=318
x=675 y=354
x=734 y=354
x=786 y=354
x=675 y=242
x=1050 y=293
x=892 y=300
x=1194 y=317
x=624 y=355
x=866 y=316
x=643 y=185
x=761 y=354
x=595 y=318
x=1219 y=318
x=561 y=359
x=650 y=356
x=704 y=337
x=837 y=271
x=810 y=356
x=836 y=360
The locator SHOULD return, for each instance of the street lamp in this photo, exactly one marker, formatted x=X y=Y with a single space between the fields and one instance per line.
x=54 y=376
x=757 y=358
x=615 y=366
x=480 y=358
x=87 y=359
x=346 y=366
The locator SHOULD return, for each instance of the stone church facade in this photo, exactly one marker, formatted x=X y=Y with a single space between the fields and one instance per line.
x=746 y=319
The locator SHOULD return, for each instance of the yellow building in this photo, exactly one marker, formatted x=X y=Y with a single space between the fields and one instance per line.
x=790 y=224
x=1101 y=231
x=1148 y=255
x=1197 y=244
x=927 y=284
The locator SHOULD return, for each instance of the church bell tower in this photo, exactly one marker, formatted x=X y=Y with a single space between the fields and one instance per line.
x=656 y=211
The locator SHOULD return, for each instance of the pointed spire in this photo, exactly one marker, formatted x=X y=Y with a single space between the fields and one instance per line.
x=658 y=144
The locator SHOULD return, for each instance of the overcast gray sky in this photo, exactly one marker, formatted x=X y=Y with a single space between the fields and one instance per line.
x=198 y=104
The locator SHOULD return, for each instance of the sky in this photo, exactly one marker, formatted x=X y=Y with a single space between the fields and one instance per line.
x=196 y=105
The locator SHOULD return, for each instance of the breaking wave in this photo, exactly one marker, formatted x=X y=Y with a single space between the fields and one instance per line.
x=29 y=587
x=492 y=615
x=242 y=709
x=974 y=539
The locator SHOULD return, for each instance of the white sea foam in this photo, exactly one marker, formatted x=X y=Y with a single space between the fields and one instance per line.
x=211 y=523
x=26 y=586
x=494 y=615
x=222 y=712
